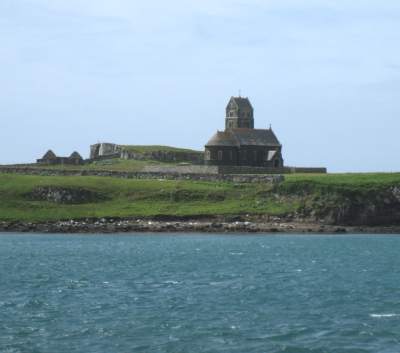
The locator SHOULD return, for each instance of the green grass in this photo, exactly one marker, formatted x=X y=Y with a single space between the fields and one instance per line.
x=156 y=148
x=344 y=183
x=115 y=164
x=128 y=198
x=140 y=198
x=351 y=179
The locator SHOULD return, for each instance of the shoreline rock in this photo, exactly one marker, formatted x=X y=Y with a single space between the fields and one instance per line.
x=112 y=225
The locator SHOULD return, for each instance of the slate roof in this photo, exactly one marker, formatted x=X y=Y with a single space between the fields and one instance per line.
x=242 y=102
x=75 y=155
x=244 y=137
x=222 y=138
x=49 y=155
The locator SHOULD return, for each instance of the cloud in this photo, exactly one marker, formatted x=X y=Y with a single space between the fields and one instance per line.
x=87 y=63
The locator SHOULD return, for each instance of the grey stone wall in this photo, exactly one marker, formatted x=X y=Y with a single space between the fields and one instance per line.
x=213 y=169
x=237 y=178
x=99 y=150
x=165 y=156
x=182 y=169
x=266 y=170
x=318 y=170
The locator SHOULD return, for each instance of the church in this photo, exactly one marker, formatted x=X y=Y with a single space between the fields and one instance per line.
x=240 y=144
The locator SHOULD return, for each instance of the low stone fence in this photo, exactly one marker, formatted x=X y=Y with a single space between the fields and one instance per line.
x=236 y=178
x=210 y=169
x=306 y=170
x=182 y=169
x=164 y=156
x=265 y=170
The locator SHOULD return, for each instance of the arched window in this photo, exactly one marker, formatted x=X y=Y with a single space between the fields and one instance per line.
x=208 y=155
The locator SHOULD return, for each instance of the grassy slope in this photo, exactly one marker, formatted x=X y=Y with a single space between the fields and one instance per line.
x=156 y=148
x=132 y=198
x=361 y=183
x=153 y=197
x=350 y=179
x=121 y=165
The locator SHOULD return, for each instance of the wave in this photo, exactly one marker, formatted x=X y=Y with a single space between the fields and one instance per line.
x=383 y=315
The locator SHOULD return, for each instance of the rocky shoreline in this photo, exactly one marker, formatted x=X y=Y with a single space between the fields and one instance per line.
x=112 y=225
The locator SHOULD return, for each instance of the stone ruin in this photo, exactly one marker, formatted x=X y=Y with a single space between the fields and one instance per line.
x=102 y=151
x=50 y=158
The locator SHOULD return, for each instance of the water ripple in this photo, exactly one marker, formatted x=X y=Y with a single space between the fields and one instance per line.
x=195 y=293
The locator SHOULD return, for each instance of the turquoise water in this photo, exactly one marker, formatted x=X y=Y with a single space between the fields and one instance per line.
x=199 y=293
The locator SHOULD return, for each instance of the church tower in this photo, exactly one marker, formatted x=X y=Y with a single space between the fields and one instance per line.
x=239 y=114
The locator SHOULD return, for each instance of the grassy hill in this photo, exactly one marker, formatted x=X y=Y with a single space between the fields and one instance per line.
x=334 y=197
x=156 y=148
x=114 y=164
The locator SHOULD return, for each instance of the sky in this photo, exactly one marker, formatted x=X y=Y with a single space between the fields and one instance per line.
x=324 y=73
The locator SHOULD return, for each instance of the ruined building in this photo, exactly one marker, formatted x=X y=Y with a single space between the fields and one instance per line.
x=50 y=158
x=240 y=144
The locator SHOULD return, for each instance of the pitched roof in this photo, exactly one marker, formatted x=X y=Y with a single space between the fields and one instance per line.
x=241 y=102
x=75 y=155
x=49 y=155
x=245 y=137
x=222 y=138
x=255 y=137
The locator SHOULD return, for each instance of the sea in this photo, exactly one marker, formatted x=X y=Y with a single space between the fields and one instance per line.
x=190 y=293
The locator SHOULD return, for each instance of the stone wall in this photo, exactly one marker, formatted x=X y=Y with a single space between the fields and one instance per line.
x=100 y=150
x=208 y=169
x=320 y=170
x=165 y=156
x=250 y=170
x=181 y=169
x=237 y=178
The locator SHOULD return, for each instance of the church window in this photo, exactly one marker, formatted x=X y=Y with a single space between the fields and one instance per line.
x=208 y=155
x=220 y=155
x=231 y=155
x=255 y=156
x=277 y=163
